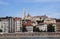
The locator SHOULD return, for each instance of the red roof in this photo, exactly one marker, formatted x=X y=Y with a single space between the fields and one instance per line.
x=29 y=23
x=17 y=18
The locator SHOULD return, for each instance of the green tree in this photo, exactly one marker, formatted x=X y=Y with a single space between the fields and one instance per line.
x=35 y=29
x=0 y=30
x=50 y=28
x=24 y=29
x=39 y=21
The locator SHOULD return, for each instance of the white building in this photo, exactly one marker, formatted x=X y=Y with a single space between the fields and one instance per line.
x=29 y=28
x=42 y=27
x=4 y=25
x=50 y=21
x=7 y=24
x=18 y=24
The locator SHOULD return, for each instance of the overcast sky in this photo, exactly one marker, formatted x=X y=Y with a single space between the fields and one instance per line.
x=15 y=8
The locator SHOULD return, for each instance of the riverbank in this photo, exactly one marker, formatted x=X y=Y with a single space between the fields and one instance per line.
x=35 y=34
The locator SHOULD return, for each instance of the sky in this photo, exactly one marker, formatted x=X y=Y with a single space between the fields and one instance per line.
x=15 y=8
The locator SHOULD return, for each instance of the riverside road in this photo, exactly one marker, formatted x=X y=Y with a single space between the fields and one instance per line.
x=34 y=34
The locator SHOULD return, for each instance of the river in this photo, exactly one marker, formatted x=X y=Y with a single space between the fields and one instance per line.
x=33 y=38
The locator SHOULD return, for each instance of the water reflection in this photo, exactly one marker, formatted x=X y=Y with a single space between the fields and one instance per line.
x=34 y=38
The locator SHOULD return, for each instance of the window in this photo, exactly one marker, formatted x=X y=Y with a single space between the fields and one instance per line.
x=1 y=26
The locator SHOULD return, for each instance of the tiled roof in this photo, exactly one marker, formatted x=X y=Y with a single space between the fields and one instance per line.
x=16 y=18
x=27 y=24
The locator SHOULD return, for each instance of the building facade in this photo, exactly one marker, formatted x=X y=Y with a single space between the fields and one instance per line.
x=4 y=24
x=18 y=24
x=7 y=24
x=57 y=25
x=39 y=22
x=11 y=27
x=50 y=21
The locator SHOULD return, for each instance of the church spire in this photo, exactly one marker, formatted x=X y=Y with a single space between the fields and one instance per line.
x=24 y=13
x=28 y=14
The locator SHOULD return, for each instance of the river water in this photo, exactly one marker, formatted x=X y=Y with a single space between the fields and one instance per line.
x=33 y=38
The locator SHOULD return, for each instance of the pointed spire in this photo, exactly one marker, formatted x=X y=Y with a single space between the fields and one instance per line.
x=24 y=13
x=28 y=14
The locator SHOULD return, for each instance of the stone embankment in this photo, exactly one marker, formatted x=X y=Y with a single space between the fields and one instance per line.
x=35 y=34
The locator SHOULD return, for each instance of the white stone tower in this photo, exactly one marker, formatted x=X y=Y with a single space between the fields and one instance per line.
x=24 y=13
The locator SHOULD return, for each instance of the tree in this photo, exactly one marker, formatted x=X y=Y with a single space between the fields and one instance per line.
x=24 y=29
x=39 y=21
x=0 y=30
x=50 y=28
x=36 y=29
